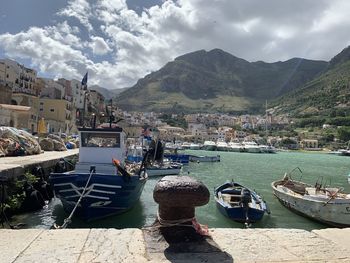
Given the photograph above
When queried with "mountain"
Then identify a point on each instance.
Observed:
(327, 93)
(214, 81)
(107, 93)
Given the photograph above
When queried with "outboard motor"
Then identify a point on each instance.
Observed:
(245, 197)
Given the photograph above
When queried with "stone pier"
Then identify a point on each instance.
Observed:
(129, 245)
(11, 167)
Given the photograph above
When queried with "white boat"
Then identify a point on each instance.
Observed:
(186, 145)
(267, 149)
(194, 146)
(209, 146)
(222, 146)
(173, 146)
(251, 147)
(164, 169)
(194, 158)
(344, 152)
(323, 204)
(235, 147)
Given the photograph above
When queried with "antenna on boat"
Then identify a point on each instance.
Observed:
(266, 120)
(110, 115)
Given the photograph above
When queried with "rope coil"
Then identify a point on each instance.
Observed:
(200, 229)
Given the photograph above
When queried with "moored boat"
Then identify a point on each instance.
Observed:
(239, 203)
(222, 146)
(194, 158)
(251, 147)
(177, 157)
(100, 185)
(209, 146)
(324, 204)
(267, 149)
(163, 169)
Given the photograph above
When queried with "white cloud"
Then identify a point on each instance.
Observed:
(99, 46)
(137, 44)
(80, 9)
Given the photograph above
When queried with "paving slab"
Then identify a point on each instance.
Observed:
(64, 245)
(14, 242)
(113, 245)
(336, 235)
(278, 245)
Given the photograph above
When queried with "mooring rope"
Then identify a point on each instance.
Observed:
(200, 229)
(177, 222)
(68, 220)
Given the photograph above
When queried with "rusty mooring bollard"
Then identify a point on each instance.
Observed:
(177, 197)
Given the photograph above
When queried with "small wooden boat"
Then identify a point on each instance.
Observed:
(194, 158)
(239, 203)
(324, 204)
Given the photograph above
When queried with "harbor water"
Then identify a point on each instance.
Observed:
(255, 171)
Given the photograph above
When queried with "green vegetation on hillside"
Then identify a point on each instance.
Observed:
(217, 81)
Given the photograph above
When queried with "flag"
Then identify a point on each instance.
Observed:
(84, 80)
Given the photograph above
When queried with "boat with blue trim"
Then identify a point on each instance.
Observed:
(239, 203)
(101, 184)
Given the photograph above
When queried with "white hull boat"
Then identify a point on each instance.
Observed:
(209, 146)
(251, 147)
(222, 146)
(194, 158)
(235, 147)
(173, 169)
(326, 205)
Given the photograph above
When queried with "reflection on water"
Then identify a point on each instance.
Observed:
(255, 171)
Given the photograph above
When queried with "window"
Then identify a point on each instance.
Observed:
(52, 110)
(103, 140)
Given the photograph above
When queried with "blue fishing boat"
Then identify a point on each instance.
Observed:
(239, 203)
(178, 158)
(101, 184)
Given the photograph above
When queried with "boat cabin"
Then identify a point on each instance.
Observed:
(101, 145)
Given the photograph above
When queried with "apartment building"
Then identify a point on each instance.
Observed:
(57, 114)
(22, 78)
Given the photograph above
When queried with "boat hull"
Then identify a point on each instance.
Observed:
(163, 171)
(334, 212)
(204, 158)
(178, 158)
(239, 214)
(105, 195)
(210, 147)
(229, 201)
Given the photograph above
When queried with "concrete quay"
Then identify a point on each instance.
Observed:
(132, 245)
(14, 166)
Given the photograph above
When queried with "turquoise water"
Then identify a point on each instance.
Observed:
(255, 171)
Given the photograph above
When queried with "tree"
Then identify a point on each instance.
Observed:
(344, 134)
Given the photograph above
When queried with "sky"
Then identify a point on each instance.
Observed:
(120, 41)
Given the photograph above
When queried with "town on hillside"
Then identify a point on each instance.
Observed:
(63, 105)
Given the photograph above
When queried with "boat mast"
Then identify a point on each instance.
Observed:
(266, 120)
